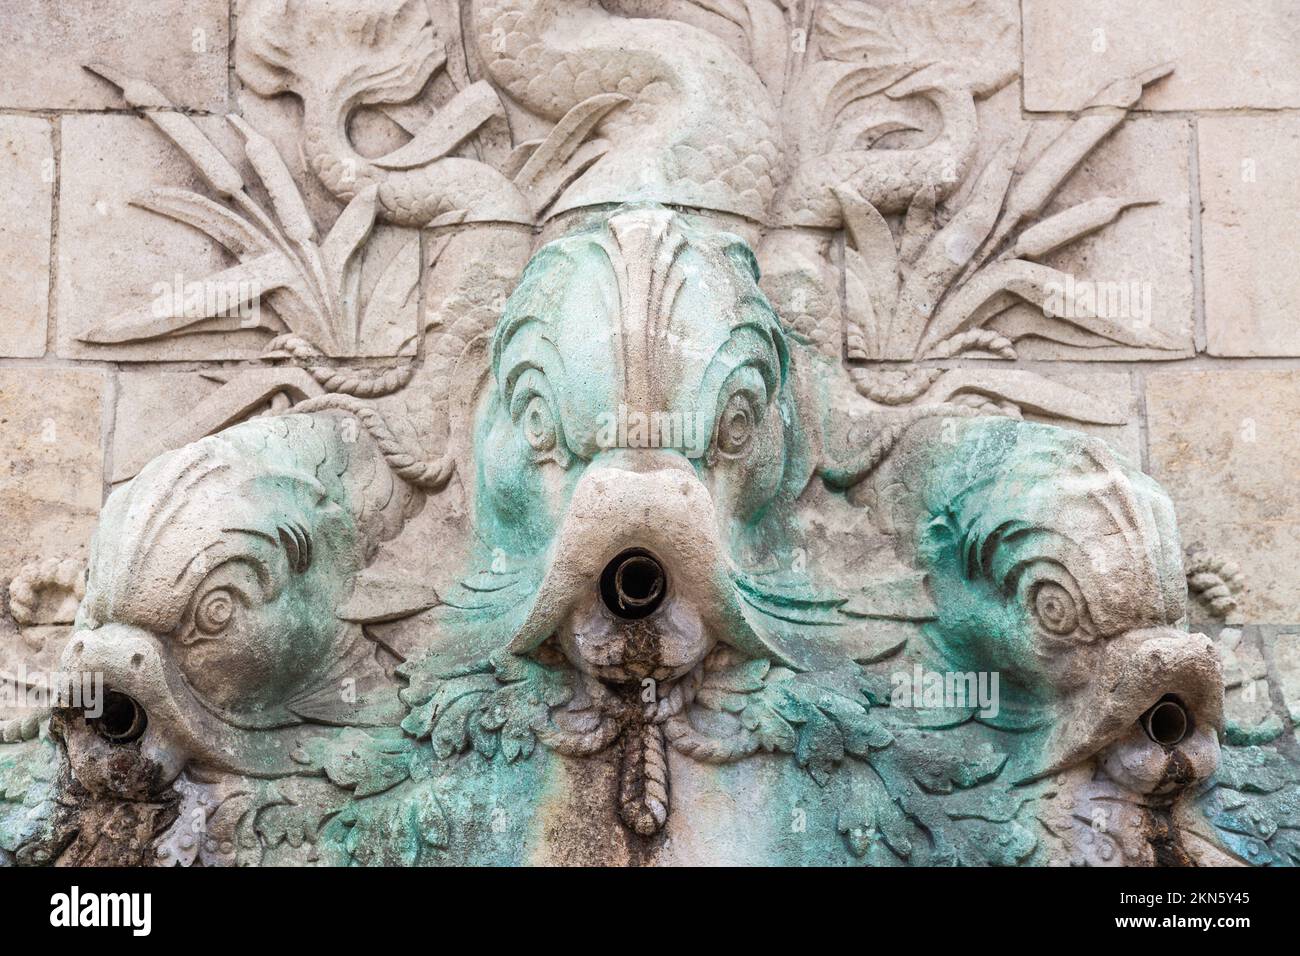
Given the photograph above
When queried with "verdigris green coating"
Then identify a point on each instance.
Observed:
(969, 687)
(28, 773)
(633, 346)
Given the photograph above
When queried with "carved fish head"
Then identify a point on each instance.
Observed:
(637, 438)
(215, 581)
(1059, 568)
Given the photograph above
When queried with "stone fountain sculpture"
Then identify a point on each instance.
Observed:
(622, 563)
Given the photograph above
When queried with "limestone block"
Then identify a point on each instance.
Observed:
(1147, 251)
(50, 485)
(118, 261)
(1223, 444)
(26, 183)
(1118, 392)
(1225, 56)
(1137, 267)
(180, 44)
(1250, 227)
(113, 255)
(1286, 658)
(146, 401)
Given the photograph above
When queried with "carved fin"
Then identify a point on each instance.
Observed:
(460, 118)
(297, 544)
(356, 691)
(379, 597)
(902, 598)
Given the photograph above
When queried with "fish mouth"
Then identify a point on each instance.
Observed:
(636, 625)
(1151, 715)
(150, 707)
(633, 585)
(638, 585)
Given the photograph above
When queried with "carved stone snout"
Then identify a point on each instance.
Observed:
(1152, 713)
(175, 726)
(637, 570)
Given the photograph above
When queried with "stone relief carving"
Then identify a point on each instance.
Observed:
(649, 544)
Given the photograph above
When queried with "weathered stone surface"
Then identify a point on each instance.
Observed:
(648, 554)
(26, 187)
(139, 259)
(1250, 230)
(1141, 262)
(1116, 390)
(181, 44)
(147, 401)
(1247, 701)
(279, 118)
(36, 649)
(1224, 55)
(1286, 661)
(1224, 444)
(116, 258)
(50, 485)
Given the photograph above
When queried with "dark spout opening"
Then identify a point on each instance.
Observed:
(633, 585)
(122, 719)
(1167, 723)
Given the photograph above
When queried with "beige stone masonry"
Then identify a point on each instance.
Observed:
(44, 44)
(50, 473)
(1225, 445)
(1225, 55)
(1250, 228)
(27, 175)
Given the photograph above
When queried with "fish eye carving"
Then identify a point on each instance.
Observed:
(533, 412)
(215, 611)
(1055, 608)
(538, 424)
(736, 425)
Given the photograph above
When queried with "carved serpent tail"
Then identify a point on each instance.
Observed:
(1215, 580)
(886, 178)
(447, 190)
(700, 130)
(339, 57)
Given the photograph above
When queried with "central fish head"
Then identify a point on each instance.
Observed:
(639, 437)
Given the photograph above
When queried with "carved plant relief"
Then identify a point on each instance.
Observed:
(666, 491)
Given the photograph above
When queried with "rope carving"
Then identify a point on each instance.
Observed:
(402, 457)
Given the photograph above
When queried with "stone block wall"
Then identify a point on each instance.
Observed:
(1210, 151)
